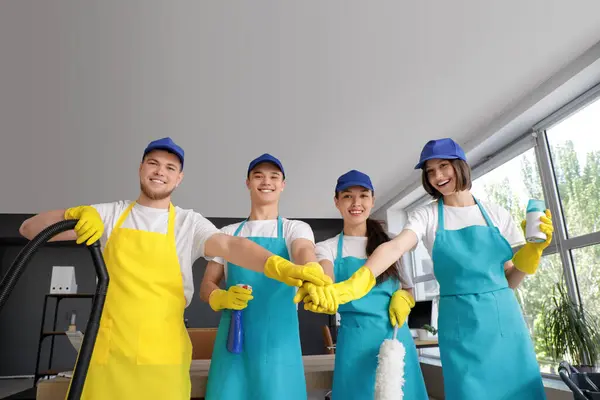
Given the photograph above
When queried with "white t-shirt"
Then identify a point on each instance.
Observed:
(424, 222)
(354, 246)
(192, 231)
(292, 230)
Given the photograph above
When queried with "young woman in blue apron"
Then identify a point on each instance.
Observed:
(485, 347)
(365, 323)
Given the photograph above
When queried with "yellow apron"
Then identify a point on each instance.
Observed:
(142, 350)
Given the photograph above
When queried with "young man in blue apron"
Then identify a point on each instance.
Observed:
(270, 366)
(143, 350)
(485, 347)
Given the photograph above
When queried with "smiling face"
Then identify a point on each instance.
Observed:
(444, 177)
(160, 173)
(355, 204)
(441, 176)
(265, 183)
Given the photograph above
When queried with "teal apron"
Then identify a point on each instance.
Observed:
(364, 325)
(485, 347)
(270, 366)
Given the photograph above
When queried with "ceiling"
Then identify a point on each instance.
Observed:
(324, 86)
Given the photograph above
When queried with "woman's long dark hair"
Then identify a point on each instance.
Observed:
(376, 235)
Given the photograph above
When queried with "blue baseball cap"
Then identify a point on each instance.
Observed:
(268, 159)
(166, 144)
(446, 149)
(353, 178)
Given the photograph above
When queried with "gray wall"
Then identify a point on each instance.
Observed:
(21, 317)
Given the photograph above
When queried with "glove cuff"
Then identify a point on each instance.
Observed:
(214, 300)
(273, 266)
(365, 275)
(72, 213)
(527, 259)
(406, 297)
(359, 284)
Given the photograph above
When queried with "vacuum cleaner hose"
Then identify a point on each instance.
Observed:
(18, 267)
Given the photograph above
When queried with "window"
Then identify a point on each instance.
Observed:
(511, 185)
(575, 151)
(423, 267)
(587, 265)
(532, 294)
(573, 162)
(426, 288)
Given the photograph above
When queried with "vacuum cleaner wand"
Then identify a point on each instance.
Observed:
(18, 267)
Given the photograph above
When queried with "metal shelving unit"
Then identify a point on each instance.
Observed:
(52, 333)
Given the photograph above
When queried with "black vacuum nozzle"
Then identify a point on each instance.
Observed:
(18, 267)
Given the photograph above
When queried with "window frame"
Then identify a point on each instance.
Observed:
(561, 239)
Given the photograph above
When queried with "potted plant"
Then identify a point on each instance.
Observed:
(423, 333)
(430, 329)
(569, 332)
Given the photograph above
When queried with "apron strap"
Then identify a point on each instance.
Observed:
(485, 214)
(124, 216)
(279, 227)
(340, 249)
(440, 214)
(239, 228)
(440, 227)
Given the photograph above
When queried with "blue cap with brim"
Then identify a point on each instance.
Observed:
(166, 144)
(446, 149)
(353, 178)
(266, 158)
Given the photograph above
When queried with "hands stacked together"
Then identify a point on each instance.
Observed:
(327, 298)
(278, 268)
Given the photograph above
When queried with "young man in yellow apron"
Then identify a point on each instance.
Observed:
(142, 350)
(270, 365)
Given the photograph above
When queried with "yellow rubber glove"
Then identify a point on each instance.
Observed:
(235, 298)
(282, 270)
(527, 259)
(400, 307)
(90, 227)
(355, 287)
(321, 299)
